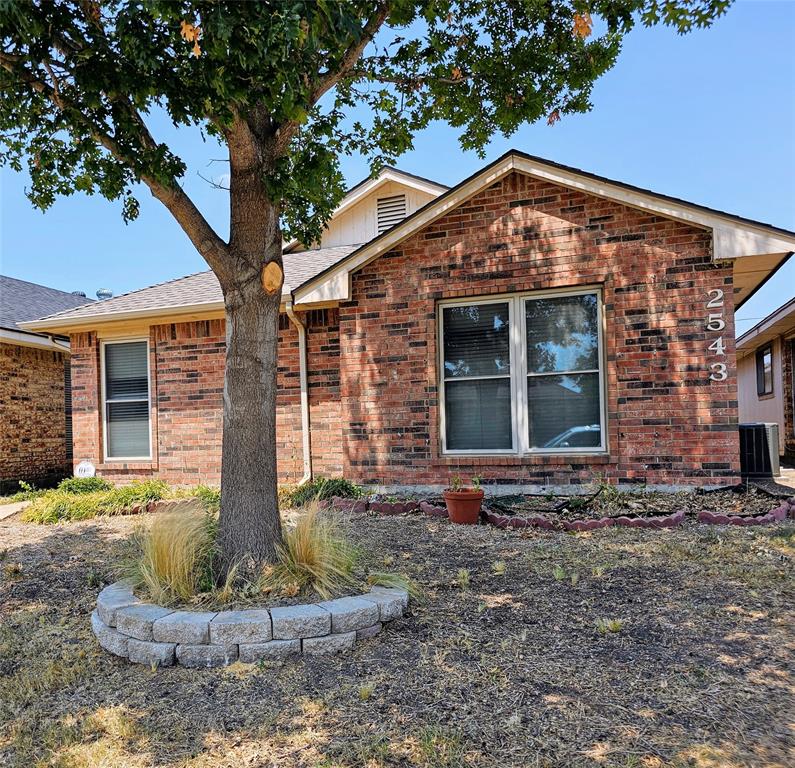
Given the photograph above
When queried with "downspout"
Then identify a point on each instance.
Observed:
(302, 374)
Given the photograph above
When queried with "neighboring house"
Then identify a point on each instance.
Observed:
(35, 417)
(766, 375)
(534, 325)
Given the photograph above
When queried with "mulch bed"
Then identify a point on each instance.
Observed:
(504, 669)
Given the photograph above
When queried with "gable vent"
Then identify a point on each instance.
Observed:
(391, 210)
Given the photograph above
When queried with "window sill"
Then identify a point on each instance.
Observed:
(515, 460)
(134, 464)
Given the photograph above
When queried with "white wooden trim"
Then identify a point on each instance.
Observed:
(103, 344)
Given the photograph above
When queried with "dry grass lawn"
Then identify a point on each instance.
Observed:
(623, 647)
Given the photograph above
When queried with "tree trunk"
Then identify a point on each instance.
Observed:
(249, 525)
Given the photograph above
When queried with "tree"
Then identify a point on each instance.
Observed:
(276, 81)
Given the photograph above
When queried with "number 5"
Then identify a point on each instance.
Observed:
(715, 322)
(718, 372)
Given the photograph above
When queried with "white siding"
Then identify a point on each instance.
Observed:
(359, 223)
(767, 408)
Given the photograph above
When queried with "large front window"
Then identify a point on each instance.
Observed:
(523, 374)
(126, 399)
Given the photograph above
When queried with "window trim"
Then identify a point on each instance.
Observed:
(520, 439)
(103, 344)
(760, 356)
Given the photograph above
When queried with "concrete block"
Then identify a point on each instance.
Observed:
(190, 627)
(351, 613)
(251, 626)
(136, 620)
(206, 656)
(110, 639)
(315, 646)
(113, 597)
(151, 654)
(390, 605)
(368, 632)
(275, 650)
(295, 621)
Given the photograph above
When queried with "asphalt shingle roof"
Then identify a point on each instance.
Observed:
(21, 301)
(202, 287)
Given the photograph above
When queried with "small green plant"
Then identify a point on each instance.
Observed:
(559, 573)
(395, 581)
(476, 482)
(366, 691)
(321, 489)
(575, 577)
(12, 570)
(608, 626)
(462, 578)
(499, 568)
(209, 497)
(84, 484)
(57, 505)
(456, 483)
(93, 579)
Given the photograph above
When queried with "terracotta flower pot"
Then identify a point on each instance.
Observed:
(463, 506)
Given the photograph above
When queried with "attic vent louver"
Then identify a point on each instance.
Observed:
(391, 210)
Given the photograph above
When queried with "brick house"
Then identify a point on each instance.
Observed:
(35, 428)
(766, 375)
(535, 325)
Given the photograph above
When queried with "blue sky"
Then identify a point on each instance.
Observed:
(709, 117)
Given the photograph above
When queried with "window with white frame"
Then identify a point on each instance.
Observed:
(522, 374)
(126, 399)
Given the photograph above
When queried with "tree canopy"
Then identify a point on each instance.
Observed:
(80, 77)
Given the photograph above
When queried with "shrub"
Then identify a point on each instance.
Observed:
(312, 556)
(56, 505)
(84, 484)
(323, 488)
(174, 559)
(209, 497)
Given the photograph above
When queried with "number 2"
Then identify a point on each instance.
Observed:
(718, 372)
(716, 302)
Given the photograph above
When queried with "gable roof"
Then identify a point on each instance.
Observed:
(197, 292)
(21, 301)
(734, 237)
(780, 321)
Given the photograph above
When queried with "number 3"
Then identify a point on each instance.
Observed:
(718, 372)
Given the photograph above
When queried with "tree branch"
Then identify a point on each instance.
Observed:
(212, 248)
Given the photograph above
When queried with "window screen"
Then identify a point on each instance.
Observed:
(477, 372)
(127, 400)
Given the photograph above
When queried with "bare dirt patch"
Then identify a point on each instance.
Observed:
(621, 647)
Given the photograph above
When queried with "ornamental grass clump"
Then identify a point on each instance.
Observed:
(312, 557)
(174, 559)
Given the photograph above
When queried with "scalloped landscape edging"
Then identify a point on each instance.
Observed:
(539, 521)
(777, 515)
(144, 633)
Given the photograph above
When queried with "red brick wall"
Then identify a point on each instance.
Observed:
(187, 374)
(788, 373)
(33, 423)
(667, 422)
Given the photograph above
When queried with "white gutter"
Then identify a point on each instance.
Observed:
(38, 341)
(302, 373)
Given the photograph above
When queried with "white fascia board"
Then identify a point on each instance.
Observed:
(23, 339)
(731, 239)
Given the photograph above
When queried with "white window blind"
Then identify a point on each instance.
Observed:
(523, 374)
(391, 210)
(126, 400)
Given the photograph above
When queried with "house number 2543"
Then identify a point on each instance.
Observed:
(715, 322)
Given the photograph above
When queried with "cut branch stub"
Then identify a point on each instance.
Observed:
(272, 277)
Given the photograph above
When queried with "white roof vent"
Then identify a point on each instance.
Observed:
(391, 210)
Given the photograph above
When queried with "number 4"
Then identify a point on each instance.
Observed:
(717, 346)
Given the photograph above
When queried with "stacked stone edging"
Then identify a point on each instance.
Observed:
(150, 634)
